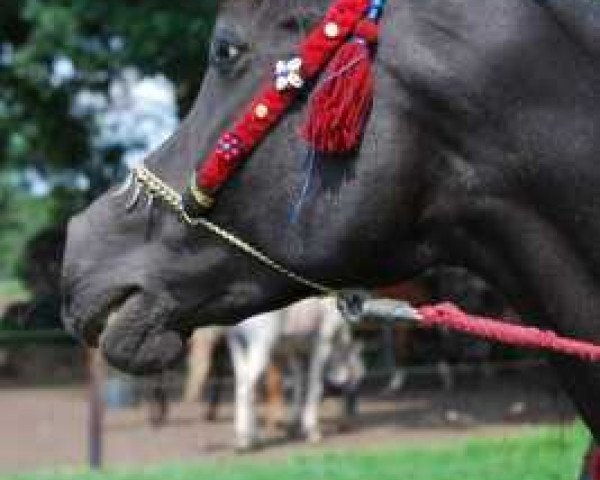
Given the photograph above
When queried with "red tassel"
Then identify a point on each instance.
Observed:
(341, 103)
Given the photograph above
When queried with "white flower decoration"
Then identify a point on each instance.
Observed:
(288, 74)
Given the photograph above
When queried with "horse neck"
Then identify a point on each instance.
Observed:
(580, 19)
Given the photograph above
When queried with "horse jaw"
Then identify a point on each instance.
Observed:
(137, 344)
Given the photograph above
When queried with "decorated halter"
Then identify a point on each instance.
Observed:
(340, 49)
(338, 110)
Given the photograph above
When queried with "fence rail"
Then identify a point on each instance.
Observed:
(11, 338)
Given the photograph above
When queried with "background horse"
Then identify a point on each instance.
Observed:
(309, 337)
(317, 344)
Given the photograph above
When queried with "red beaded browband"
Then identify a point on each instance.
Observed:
(339, 106)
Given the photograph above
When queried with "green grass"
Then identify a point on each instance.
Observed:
(537, 454)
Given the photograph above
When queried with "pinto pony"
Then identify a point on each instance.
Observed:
(309, 337)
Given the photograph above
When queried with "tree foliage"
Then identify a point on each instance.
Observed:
(37, 124)
(39, 127)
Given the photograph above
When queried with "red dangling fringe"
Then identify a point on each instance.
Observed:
(340, 106)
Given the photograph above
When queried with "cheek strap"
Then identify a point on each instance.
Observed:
(338, 110)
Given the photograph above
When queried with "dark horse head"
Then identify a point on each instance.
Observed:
(482, 150)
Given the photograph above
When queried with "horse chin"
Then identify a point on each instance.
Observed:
(140, 348)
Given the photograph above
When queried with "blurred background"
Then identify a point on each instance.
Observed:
(87, 88)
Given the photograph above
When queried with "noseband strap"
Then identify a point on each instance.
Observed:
(155, 187)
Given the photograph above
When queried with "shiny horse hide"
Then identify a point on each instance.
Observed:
(482, 151)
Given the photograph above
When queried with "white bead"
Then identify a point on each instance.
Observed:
(288, 74)
(281, 83)
(332, 30)
(295, 63)
(280, 67)
(295, 80)
(233, 51)
(261, 111)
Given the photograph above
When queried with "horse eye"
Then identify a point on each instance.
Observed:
(224, 52)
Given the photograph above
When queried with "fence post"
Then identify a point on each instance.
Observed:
(96, 409)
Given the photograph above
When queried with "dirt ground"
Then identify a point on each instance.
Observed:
(46, 428)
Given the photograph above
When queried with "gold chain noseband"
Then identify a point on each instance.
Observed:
(384, 310)
(155, 187)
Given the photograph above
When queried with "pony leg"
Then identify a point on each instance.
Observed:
(314, 392)
(444, 370)
(199, 358)
(245, 422)
(249, 361)
(295, 365)
(215, 387)
(275, 403)
(397, 343)
(159, 402)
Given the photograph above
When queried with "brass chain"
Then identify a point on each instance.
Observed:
(156, 187)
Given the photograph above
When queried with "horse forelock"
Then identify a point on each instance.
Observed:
(275, 8)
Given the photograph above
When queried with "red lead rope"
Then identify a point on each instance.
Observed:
(449, 316)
